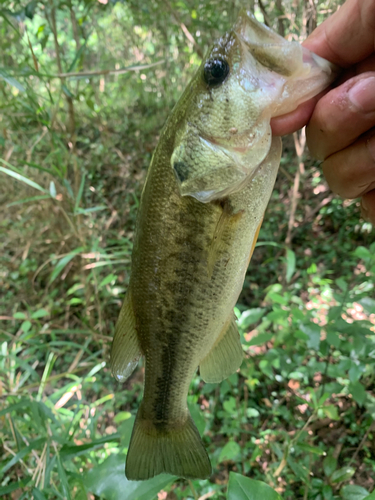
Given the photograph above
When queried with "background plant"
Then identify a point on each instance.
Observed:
(85, 87)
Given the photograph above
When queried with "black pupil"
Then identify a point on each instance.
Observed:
(215, 72)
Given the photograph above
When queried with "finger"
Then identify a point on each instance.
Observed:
(286, 124)
(342, 115)
(368, 206)
(347, 36)
(351, 172)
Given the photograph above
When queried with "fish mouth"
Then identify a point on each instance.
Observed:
(240, 143)
(223, 143)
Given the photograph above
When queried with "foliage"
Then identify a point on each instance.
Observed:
(77, 132)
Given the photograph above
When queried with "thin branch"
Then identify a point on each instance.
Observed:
(300, 146)
(370, 428)
(280, 17)
(121, 71)
(267, 21)
(195, 494)
(184, 29)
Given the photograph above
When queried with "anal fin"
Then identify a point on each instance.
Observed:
(225, 356)
(125, 351)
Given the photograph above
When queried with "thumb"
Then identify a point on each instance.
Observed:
(342, 115)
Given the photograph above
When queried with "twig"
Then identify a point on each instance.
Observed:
(360, 446)
(121, 71)
(183, 27)
(207, 495)
(280, 17)
(299, 144)
(267, 21)
(195, 494)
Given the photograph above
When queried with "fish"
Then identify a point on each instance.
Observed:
(202, 206)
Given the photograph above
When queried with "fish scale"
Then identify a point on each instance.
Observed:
(201, 209)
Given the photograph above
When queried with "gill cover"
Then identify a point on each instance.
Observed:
(248, 77)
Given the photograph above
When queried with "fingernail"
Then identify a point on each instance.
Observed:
(362, 94)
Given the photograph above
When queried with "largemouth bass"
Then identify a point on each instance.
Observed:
(202, 206)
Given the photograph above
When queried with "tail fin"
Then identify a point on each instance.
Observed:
(178, 451)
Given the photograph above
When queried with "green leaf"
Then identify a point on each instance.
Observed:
(362, 253)
(311, 449)
(12, 81)
(108, 279)
(108, 480)
(331, 412)
(52, 189)
(125, 430)
(342, 474)
(371, 496)
(19, 315)
(38, 495)
(26, 325)
(299, 470)
(290, 264)
(25, 451)
(329, 465)
(24, 403)
(68, 452)
(358, 392)
(244, 488)
(67, 91)
(62, 263)
(77, 56)
(4, 490)
(31, 198)
(368, 304)
(64, 480)
(80, 192)
(40, 313)
(353, 492)
(260, 339)
(333, 338)
(313, 332)
(21, 178)
(198, 417)
(230, 451)
(120, 417)
(250, 317)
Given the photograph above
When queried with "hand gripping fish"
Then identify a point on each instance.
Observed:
(202, 206)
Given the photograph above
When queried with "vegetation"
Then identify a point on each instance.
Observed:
(85, 87)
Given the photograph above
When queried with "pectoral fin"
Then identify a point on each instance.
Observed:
(225, 357)
(225, 229)
(125, 351)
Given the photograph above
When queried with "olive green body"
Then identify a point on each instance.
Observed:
(189, 264)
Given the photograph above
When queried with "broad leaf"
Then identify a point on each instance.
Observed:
(230, 451)
(353, 492)
(108, 481)
(342, 474)
(244, 488)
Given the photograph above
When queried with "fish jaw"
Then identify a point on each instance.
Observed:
(226, 133)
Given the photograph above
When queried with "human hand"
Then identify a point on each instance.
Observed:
(341, 127)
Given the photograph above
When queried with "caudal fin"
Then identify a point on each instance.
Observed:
(177, 450)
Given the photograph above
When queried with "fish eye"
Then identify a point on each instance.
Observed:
(215, 72)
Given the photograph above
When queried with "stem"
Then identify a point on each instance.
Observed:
(184, 29)
(193, 490)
